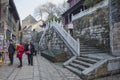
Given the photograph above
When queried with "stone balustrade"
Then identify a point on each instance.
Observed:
(90, 10)
(67, 38)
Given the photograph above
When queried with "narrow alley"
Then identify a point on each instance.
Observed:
(59, 40)
(41, 70)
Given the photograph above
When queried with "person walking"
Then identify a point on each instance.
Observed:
(36, 49)
(29, 51)
(20, 51)
(11, 51)
(70, 27)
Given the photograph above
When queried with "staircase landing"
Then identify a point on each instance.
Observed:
(90, 66)
(99, 55)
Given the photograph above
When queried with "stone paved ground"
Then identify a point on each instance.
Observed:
(42, 70)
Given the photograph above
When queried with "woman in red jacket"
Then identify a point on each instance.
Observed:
(20, 51)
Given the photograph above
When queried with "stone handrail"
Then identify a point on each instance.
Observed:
(112, 64)
(90, 10)
(72, 44)
(44, 32)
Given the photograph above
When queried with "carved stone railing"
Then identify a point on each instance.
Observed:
(90, 10)
(108, 66)
(72, 44)
(43, 35)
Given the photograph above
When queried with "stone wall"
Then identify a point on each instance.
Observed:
(104, 68)
(52, 41)
(115, 26)
(116, 36)
(115, 11)
(93, 28)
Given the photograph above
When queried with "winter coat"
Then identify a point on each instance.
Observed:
(11, 49)
(32, 49)
(20, 50)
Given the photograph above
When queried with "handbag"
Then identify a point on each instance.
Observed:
(28, 52)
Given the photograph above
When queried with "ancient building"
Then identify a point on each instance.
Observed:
(29, 20)
(9, 19)
(32, 28)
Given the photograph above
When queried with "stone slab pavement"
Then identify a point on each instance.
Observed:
(41, 70)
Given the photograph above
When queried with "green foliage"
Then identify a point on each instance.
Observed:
(53, 17)
(91, 3)
(88, 3)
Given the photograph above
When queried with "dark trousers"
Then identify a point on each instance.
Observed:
(11, 58)
(20, 59)
(71, 32)
(35, 52)
(30, 59)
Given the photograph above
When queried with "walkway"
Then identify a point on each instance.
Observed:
(42, 70)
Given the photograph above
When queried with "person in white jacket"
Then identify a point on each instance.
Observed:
(70, 27)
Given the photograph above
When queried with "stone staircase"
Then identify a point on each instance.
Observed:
(84, 62)
(86, 49)
(88, 62)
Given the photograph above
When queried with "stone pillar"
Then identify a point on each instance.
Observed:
(114, 21)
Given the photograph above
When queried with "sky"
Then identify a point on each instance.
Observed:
(26, 7)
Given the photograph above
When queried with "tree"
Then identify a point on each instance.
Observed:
(38, 12)
(48, 8)
(51, 9)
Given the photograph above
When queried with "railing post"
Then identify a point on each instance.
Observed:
(72, 17)
(78, 46)
(51, 23)
(61, 24)
(53, 19)
(46, 26)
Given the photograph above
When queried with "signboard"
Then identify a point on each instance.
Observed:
(1, 37)
(1, 42)
(5, 26)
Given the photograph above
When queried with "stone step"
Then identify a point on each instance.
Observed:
(92, 61)
(81, 47)
(85, 45)
(90, 52)
(82, 63)
(85, 49)
(74, 70)
(80, 67)
(94, 58)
